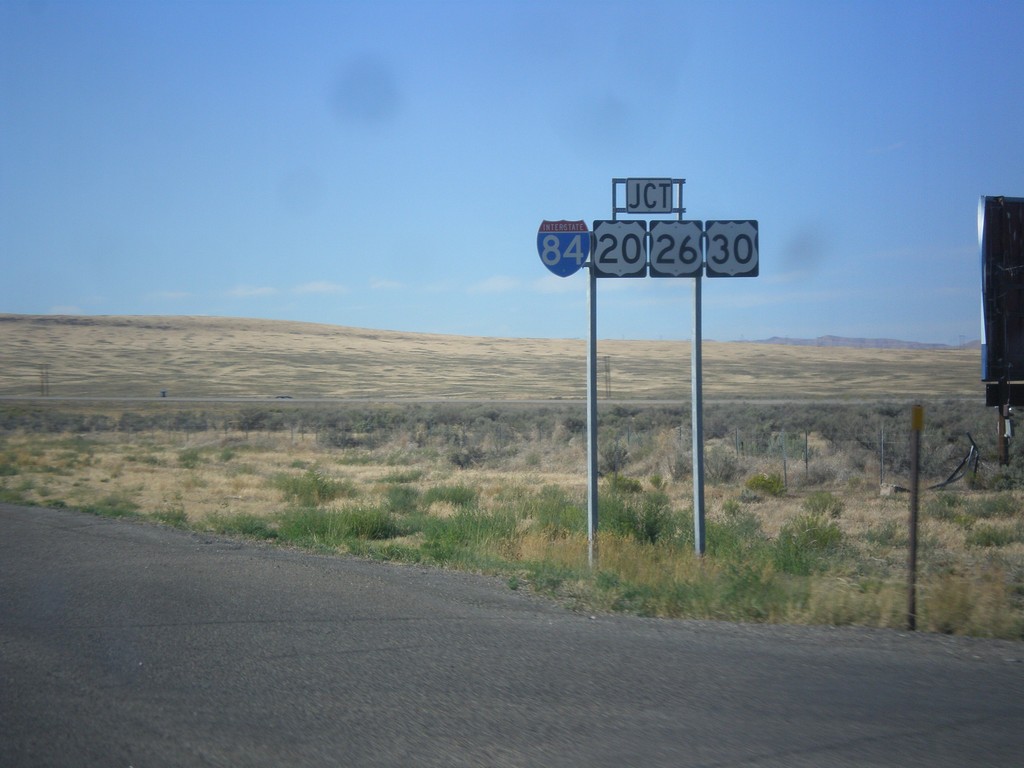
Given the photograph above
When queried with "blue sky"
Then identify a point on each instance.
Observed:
(387, 164)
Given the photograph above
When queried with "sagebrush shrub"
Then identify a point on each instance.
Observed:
(189, 458)
(720, 465)
(823, 503)
(617, 483)
(613, 456)
(769, 483)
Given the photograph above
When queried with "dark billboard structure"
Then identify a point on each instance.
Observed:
(1001, 234)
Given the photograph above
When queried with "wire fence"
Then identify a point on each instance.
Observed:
(803, 456)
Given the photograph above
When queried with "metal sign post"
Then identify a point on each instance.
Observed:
(661, 248)
(592, 468)
(697, 421)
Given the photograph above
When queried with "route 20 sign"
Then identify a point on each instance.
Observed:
(563, 246)
(620, 248)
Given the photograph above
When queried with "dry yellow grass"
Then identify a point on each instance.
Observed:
(227, 357)
(232, 474)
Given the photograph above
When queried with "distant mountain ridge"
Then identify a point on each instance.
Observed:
(842, 341)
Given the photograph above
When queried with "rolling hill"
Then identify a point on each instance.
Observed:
(207, 357)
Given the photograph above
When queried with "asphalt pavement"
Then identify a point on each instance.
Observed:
(129, 644)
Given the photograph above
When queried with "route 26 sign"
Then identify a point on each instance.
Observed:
(676, 248)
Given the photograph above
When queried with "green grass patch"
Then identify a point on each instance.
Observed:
(391, 551)
(990, 535)
(646, 517)
(373, 523)
(8, 465)
(313, 488)
(174, 516)
(554, 512)
(549, 578)
(242, 524)
(16, 495)
(620, 484)
(114, 505)
(402, 499)
(354, 459)
(1000, 505)
(145, 458)
(949, 507)
(891, 533)
(403, 476)
(456, 495)
(823, 503)
(714, 587)
(805, 545)
(190, 458)
(737, 536)
(470, 536)
(319, 528)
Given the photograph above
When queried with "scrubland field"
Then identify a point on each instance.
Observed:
(470, 453)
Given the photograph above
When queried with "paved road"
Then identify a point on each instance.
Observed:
(126, 644)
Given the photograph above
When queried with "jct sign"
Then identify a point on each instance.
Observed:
(648, 195)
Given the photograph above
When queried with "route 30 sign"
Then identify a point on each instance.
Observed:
(563, 245)
(731, 248)
(620, 248)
